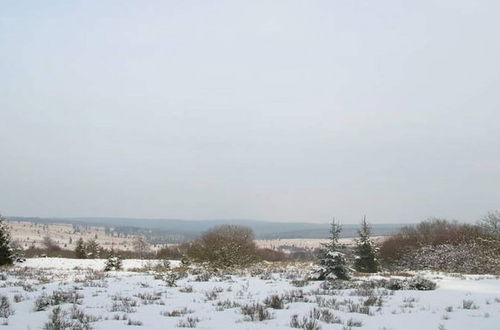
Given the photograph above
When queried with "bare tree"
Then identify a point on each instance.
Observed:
(141, 246)
(491, 223)
(50, 244)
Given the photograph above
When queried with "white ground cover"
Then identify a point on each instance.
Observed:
(114, 298)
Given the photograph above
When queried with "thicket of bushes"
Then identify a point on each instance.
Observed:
(173, 253)
(432, 232)
(443, 245)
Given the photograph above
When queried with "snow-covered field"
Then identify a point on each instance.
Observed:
(305, 243)
(145, 299)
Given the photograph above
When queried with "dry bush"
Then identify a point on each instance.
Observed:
(172, 252)
(469, 258)
(306, 323)
(6, 309)
(189, 322)
(267, 254)
(275, 302)
(433, 232)
(256, 312)
(225, 246)
(163, 253)
(34, 252)
(443, 246)
(50, 244)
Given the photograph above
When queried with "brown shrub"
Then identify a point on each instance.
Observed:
(172, 252)
(271, 255)
(431, 232)
(32, 252)
(225, 246)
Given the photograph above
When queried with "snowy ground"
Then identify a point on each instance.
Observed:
(116, 300)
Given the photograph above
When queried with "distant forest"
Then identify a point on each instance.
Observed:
(176, 231)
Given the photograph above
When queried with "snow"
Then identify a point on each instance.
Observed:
(410, 310)
(94, 264)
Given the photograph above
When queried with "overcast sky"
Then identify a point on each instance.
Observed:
(274, 110)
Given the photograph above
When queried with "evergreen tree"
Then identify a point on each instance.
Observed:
(366, 251)
(80, 250)
(6, 252)
(92, 249)
(113, 262)
(332, 263)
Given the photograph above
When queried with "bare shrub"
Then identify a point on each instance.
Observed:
(162, 266)
(170, 278)
(305, 323)
(177, 312)
(5, 308)
(328, 317)
(186, 289)
(274, 301)
(213, 294)
(267, 254)
(57, 320)
(226, 304)
(135, 323)
(300, 283)
(203, 277)
(225, 246)
(433, 232)
(57, 297)
(256, 312)
(354, 323)
(83, 319)
(123, 304)
(469, 258)
(76, 320)
(148, 298)
(189, 322)
(294, 296)
(469, 304)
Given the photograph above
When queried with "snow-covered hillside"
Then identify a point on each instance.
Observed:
(268, 296)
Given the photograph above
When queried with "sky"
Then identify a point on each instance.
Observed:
(272, 110)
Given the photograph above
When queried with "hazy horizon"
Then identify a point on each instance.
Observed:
(326, 221)
(277, 110)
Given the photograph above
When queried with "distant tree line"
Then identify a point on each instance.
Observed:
(435, 244)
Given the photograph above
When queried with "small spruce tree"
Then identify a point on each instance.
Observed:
(113, 262)
(332, 263)
(80, 249)
(366, 251)
(6, 251)
(92, 249)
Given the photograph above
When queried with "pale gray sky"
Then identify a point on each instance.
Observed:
(278, 110)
